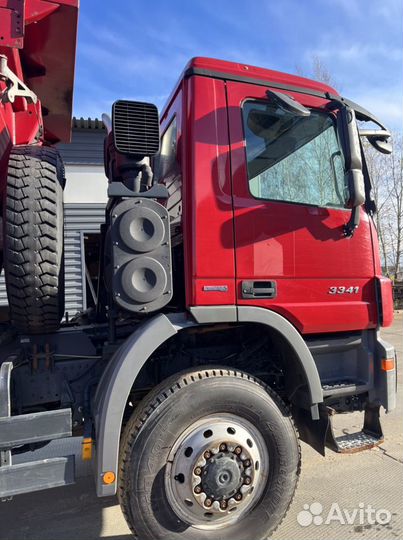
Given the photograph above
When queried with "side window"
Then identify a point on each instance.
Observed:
(165, 163)
(292, 158)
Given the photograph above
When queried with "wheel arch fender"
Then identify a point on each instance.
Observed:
(122, 370)
(114, 388)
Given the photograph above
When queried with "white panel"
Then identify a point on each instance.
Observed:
(85, 184)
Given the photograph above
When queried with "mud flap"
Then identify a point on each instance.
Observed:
(312, 432)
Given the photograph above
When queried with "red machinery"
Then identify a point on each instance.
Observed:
(37, 48)
(37, 58)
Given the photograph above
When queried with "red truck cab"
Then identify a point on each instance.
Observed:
(264, 226)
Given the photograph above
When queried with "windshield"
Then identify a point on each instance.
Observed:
(292, 158)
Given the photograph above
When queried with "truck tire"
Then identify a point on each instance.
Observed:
(33, 240)
(209, 455)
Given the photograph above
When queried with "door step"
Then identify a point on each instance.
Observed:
(356, 442)
(344, 387)
(370, 436)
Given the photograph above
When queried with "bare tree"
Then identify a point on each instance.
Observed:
(378, 166)
(386, 173)
(395, 228)
(319, 72)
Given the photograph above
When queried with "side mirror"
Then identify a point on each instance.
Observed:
(352, 152)
(385, 147)
(379, 138)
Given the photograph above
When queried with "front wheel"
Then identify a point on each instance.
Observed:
(209, 454)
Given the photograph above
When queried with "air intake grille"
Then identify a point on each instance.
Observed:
(136, 128)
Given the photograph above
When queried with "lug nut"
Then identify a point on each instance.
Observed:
(223, 505)
(238, 450)
(247, 481)
(198, 471)
(247, 463)
(238, 497)
(208, 502)
(207, 454)
(223, 447)
(198, 490)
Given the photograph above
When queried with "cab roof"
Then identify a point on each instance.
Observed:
(235, 71)
(239, 71)
(222, 69)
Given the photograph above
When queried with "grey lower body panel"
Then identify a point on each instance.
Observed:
(385, 380)
(36, 476)
(35, 427)
(353, 364)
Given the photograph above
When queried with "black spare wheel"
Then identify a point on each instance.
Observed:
(33, 239)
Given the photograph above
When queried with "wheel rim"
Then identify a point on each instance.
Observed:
(216, 471)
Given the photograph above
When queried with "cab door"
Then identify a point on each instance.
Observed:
(289, 214)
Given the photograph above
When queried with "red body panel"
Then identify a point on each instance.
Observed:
(229, 236)
(386, 300)
(208, 215)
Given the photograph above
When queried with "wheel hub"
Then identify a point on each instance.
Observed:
(222, 476)
(216, 471)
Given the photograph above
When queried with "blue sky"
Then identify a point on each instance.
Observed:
(136, 49)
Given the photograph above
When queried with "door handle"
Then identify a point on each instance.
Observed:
(259, 289)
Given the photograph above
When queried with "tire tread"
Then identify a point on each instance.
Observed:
(33, 253)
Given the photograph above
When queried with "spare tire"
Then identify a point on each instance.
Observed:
(33, 239)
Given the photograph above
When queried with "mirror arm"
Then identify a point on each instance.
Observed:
(375, 133)
(353, 223)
